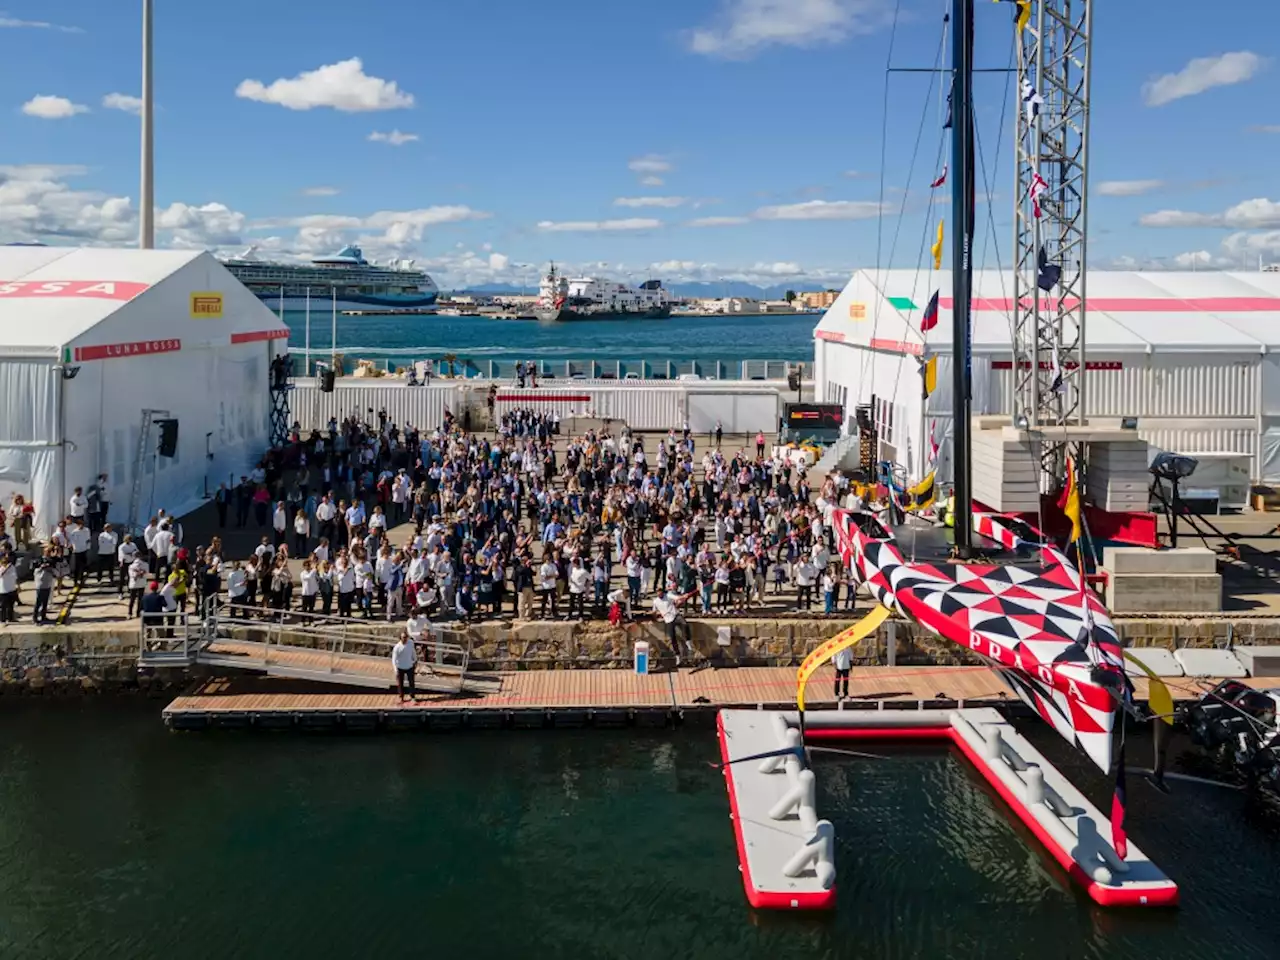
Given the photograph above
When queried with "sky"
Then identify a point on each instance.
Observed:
(679, 139)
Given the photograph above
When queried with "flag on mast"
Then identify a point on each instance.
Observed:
(1037, 189)
(1119, 801)
(942, 178)
(1047, 274)
(930, 318)
(1069, 503)
(1021, 12)
(1031, 100)
(936, 249)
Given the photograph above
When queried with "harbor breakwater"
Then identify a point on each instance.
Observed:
(95, 659)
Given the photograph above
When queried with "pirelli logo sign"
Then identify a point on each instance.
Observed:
(206, 305)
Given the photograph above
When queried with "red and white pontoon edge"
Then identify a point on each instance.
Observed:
(770, 848)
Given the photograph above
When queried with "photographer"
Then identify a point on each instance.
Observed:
(45, 571)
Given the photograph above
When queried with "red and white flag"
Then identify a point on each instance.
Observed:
(942, 178)
(1038, 187)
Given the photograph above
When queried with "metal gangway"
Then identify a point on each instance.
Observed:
(304, 646)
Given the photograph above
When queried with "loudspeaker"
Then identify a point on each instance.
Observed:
(168, 437)
(793, 380)
(326, 381)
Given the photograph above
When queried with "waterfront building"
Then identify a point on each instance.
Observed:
(94, 342)
(1192, 356)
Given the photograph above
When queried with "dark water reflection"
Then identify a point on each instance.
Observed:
(118, 839)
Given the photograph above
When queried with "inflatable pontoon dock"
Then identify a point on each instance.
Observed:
(786, 853)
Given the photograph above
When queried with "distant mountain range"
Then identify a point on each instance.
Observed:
(697, 289)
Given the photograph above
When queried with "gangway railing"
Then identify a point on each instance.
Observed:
(334, 649)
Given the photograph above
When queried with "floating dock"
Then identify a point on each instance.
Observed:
(552, 698)
(785, 850)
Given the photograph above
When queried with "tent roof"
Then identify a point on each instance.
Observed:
(1128, 312)
(96, 282)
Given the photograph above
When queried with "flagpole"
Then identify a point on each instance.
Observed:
(147, 200)
(306, 362)
(961, 265)
(333, 292)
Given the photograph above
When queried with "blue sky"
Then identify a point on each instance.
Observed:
(742, 137)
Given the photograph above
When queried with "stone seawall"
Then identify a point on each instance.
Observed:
(92, 658)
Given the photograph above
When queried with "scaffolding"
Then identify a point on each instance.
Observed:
(1051, 215)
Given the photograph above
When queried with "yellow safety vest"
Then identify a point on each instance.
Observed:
(951, 511)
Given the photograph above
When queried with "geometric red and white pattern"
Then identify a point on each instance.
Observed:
(1054, 638)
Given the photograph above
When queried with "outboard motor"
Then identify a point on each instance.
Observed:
(1213, 720)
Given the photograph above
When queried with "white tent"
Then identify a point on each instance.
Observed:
(1194, 356)
(89, 338)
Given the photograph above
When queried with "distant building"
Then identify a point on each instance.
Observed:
(778, 306)
(818, 299)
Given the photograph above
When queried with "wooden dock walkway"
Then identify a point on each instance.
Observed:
(572, 698)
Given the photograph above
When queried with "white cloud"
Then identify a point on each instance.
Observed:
(652, 182)
(36, 203)
(1195, 258)
(320, 192)
(122, 101)
(650, 163)
(208, 225)
(856, 174)
(1258, 213)
(395, 138)
(718, 222)
(1248, 246)
(823, 210)
(1127, 188)
(395, 233)
(1265, 128)
(592, 226)
(1201, 74)
(52, 108)
(667, 202)
(343, 86)
(13, 23)
(744, 27)
(498, 262)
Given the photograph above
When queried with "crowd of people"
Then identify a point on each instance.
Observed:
(523, 523)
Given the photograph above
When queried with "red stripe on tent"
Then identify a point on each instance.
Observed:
(1140, 304)
(259, 335)
(898, 346)
(82, 289)
(543, 397)
(114, 351)
(1045, 365)
(829, 335)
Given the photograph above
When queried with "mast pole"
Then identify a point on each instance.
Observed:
(147, 198)
(961, 266)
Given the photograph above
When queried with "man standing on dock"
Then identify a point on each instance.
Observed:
(404, 657)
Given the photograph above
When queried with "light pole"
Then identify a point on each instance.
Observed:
(147, 211)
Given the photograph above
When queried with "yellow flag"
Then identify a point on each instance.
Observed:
(1158, 696)
(936, 249)
(1024, 13)
(929, 371)
(922, 495)
(1070, 502)
(845, 638)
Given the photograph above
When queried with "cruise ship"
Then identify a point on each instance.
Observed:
(561, 299)
(346, 277)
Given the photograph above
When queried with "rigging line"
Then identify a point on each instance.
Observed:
(884, 148)
(906, 194)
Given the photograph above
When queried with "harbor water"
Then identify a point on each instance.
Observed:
(119, 839)
(728, 340)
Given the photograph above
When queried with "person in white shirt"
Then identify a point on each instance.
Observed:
(279, 522)
(405, 661)
(8, 590)
(126, 553)
(79, 537)
(237, 589)
(310, 586)
(78, 505)
(666, 607)
(325, 514)
(828, 592)
(843, 662)
(346, 578)
(417, 626)
(139, 573)
(108, 542)
(579, 577)
(806, 574)
(548, 574)
(160, 545)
